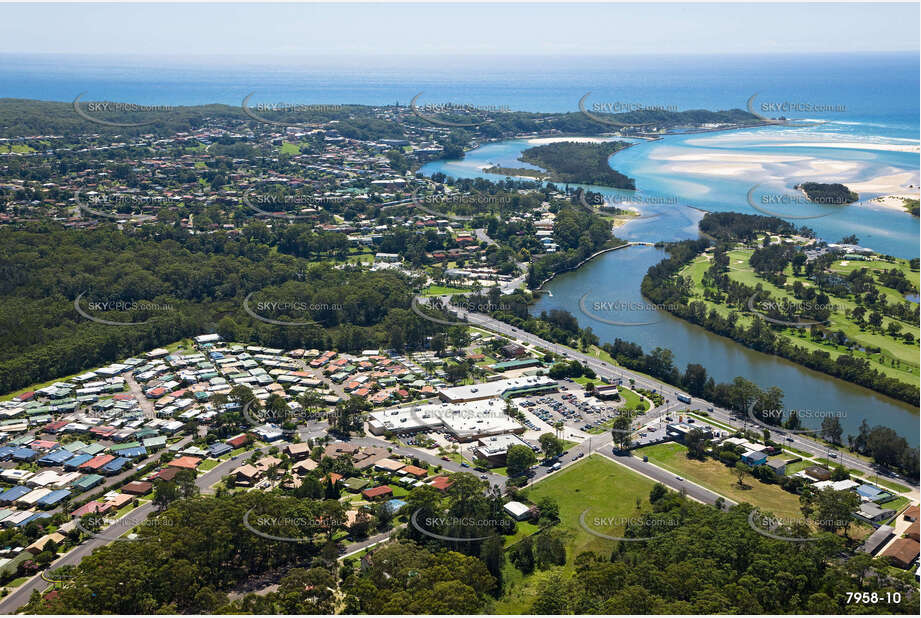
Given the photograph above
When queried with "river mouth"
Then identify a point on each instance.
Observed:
(612, 282)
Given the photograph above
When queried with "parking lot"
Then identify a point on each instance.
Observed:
(572, 408)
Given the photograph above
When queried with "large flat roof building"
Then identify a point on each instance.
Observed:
(467, 421)
(514, 387)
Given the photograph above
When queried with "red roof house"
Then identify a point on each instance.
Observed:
(185, 463)
(377, 492)
(97, 462)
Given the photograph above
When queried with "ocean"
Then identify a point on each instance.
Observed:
(879, 92)
(866, 106)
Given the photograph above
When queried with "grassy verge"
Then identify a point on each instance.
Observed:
(712, 422)
(717, 477)
(208, 464)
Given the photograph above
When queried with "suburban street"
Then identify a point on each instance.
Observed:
(599, 443)
(20, 596)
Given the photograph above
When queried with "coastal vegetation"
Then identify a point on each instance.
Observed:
(576, 162)
(516, 171)
(823, 193)
(20, 117)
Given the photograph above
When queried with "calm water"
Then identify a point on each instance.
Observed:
(615, 278)
(878, 91)
(877, 102)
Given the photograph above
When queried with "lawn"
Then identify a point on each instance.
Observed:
(603, 487)
(897, 504)
(568, 444)
(631, 399)
(522, 529)
(793, 468)
(717, 477)
(897, 359)
(290, 149)
(440, 290)
(208, 464)
(398, 492)
(126, 509)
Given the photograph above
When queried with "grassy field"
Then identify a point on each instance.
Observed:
(597, 484)
(17, 148)
(897, 358)
(289, 149)
(601, 355)
(631, 399)
(439, 290)
(717, 477)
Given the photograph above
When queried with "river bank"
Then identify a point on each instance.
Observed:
(617, 275)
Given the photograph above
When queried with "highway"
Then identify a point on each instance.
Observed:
(600, 444)
(721, 415)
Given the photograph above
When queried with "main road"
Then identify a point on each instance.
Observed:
(720, 415)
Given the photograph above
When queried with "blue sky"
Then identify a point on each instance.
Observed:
(330, 31)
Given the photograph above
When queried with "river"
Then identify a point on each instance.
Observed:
(614, 278)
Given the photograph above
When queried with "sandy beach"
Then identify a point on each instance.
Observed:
(894, 202)
(786, 167)
(893, 184)
(857, 145)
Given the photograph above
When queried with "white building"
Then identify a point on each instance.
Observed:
(517, 510)
(513, 387)
(466, 421)
(495, 448)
